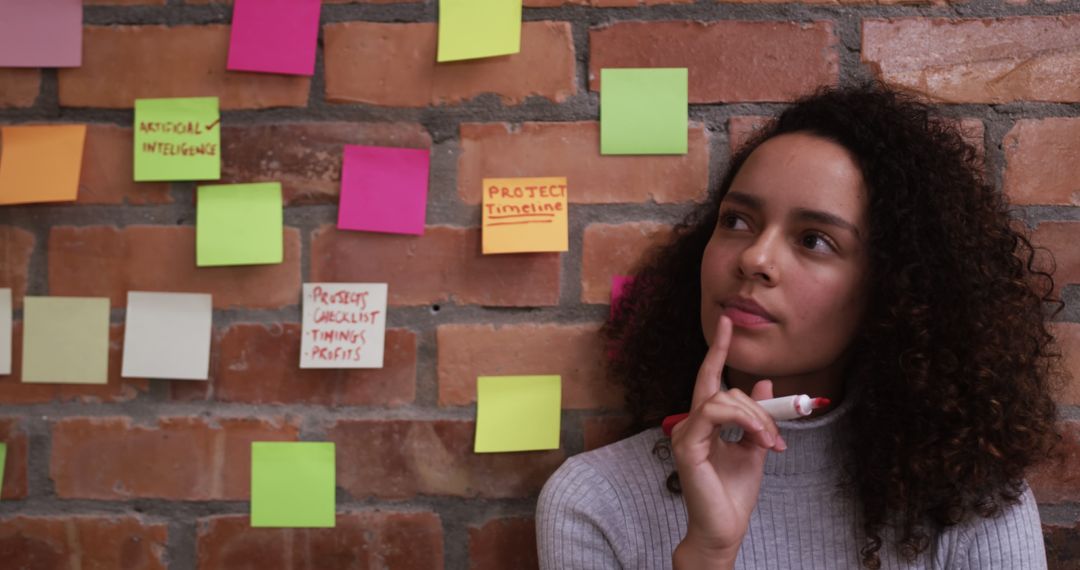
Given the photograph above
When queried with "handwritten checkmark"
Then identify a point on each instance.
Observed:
(212, 125)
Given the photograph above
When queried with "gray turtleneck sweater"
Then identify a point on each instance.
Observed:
(609, 508)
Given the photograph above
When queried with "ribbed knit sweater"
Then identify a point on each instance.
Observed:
(609, 508)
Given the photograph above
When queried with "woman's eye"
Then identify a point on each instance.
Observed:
(727, 220)
(809, 239)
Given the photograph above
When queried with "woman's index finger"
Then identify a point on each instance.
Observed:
(708, 378)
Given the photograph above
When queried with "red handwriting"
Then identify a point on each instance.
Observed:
(349, 336)
(336, 353)
(182, 149)
(339, 297)
(173, 127)
(212, 125)
(345, 317)
(543, 191)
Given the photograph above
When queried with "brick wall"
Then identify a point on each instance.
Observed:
(154, 474)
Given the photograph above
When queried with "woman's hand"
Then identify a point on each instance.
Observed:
(720, 480)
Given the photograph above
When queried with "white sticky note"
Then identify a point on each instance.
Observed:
(5, 331)
(344, 325)
(167, 335)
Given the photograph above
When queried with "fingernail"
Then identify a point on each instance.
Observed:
(782, 444)
(769, 439)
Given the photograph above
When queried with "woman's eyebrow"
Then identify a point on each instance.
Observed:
(755, 203)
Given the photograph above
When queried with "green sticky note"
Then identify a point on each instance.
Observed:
(292, 484)
(517, 413)
(3, 459)
(643, 111)
(239, 224)
(65, 340)
(469, 29)
(177, 139)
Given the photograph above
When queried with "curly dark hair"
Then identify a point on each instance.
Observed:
(955, 332)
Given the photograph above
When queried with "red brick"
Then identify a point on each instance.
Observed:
(601, 3)
(13, 435)
(401, 459)
(1030, 146)
(503, 543)
(179, 458)
(18, 247)
(359, 541)
(13, 391)
(444, 264)
(986, 60)
(1067, 336)
(498, 150)
(306, 157)
(573, 351)
(259, 364)
(614, 249)
(19, 87)
(1061, 239)
(602, 430)
(1059, 482)
(728, 60)
(1062, 541)
(394, 65)
(108, 170)
(124, 63)
(120, 542)
(108, 262)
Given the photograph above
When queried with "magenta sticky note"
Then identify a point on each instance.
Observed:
(384, 189)
(41, 33)
(274, 36)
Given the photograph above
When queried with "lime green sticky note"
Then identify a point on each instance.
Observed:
(517, 413)
(239, 224)
(643, 111)
(177, 139)
(65, 340)
(469, 29)
(292, 484)
(3, 458)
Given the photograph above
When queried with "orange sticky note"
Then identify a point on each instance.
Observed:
(524, 215)
(40, 163)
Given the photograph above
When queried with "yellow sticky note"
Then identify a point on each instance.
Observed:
(524, 214)
(470, 29)
(41, 163)
(517, 413)
(66, 340)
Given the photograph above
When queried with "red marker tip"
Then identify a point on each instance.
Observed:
(820, 403)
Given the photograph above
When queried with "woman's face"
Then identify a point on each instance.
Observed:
(790, 237)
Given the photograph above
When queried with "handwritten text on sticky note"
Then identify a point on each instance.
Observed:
(177, 139)
(524, 215)
(344, 325)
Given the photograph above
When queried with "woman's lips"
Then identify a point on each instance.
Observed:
(745, 319)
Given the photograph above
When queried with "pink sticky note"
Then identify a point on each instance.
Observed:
(384, 189)
(41, 33)
(274, 36)
(618, 287)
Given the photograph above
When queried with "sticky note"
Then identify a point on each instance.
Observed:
(239, 224)
(470, 29)
(383, 189)
(644, 111)
(524, 215)
(41, 163)
(41, 33)
(5, 331)
(65, 340)
(344, 325)
(167, 335)
(3, 462)
(274, 36)
(292, 484)
(177, 139)
(517, 413)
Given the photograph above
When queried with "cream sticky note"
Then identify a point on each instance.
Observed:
(644, 111)
(41, 163)
(5, 331)
(292, 484)
(524, 215)
(65, 340)
(470, 29)
(517, 413)
(239, 224)
(344, 325)
(177, 139)
(167, 335)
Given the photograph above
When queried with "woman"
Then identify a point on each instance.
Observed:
(852, 252)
